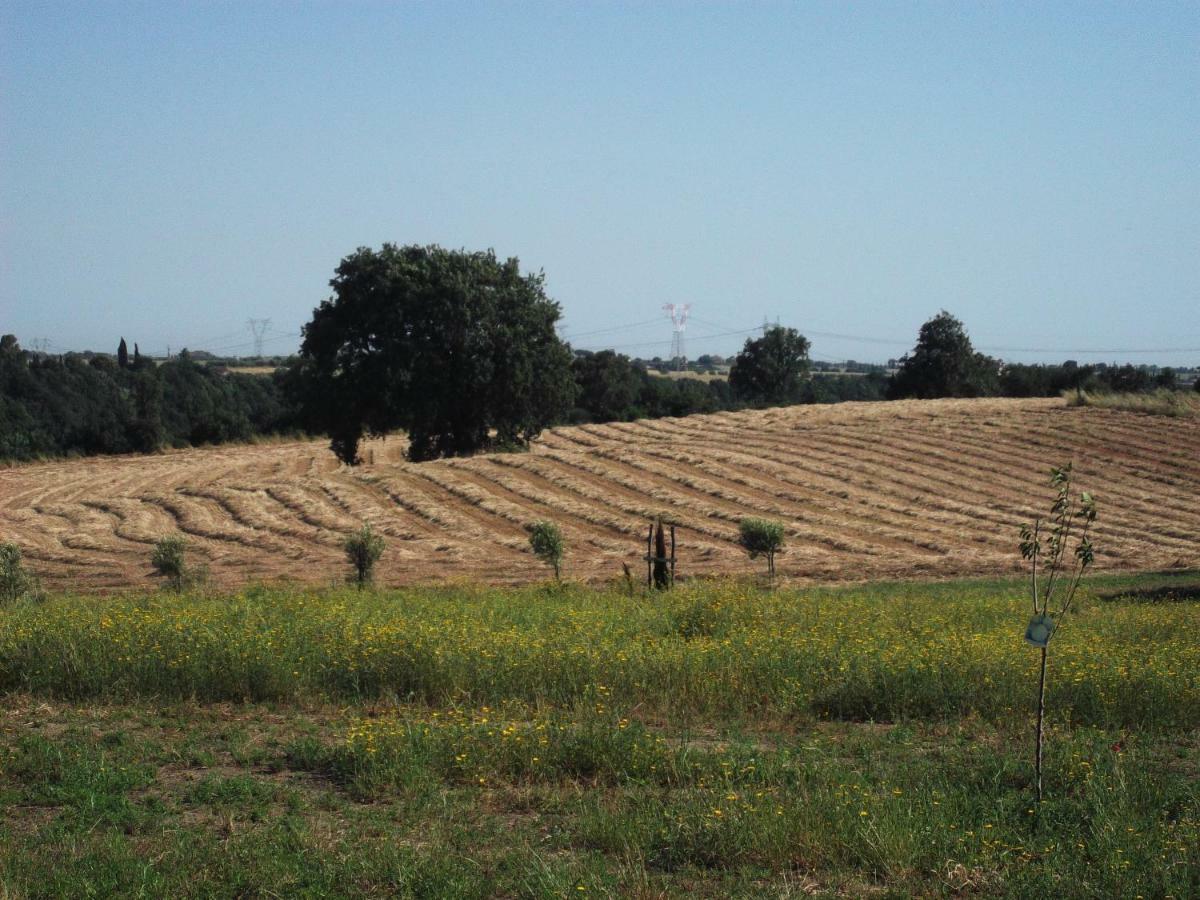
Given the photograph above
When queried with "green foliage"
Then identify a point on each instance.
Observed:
(877, 652)
(1023, 380)
(611, 387)
(682, 397)
(1070, 517)
(771, 369)
(847, 387)
(447, 345)
(547, 542)
(15, 581)
(943, 364)
(608, 385)
(363, 549)
(1125, 379)
(73, 404)
(95, 805)
(760, 537)
(168, 560)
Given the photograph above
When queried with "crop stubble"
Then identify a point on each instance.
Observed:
(867, 491)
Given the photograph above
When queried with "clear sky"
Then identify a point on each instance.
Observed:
(168, 170)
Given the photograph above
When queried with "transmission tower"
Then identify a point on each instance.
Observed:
(259, 328)
(678, 313)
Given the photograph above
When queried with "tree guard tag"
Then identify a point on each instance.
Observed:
(1039, 630)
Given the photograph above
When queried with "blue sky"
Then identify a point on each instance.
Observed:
(168, 170)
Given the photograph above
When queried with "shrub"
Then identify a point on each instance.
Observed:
(547, 542)
(761, 537)
(363, 548)
(15, 582)
(168, 560)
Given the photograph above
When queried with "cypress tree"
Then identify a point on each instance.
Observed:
(123, 355)
(662, 576)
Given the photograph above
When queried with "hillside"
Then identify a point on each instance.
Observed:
(911, 489)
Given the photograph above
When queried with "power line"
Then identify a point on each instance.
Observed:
(200, 345)
(631, 325)
(864, 339)
(241, 345)
(702, 337)
(273, 336)
(1077, 350)
(858, 338)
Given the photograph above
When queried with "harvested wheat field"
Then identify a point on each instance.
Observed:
(913, 489)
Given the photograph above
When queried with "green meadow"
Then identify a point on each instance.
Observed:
(717, 740)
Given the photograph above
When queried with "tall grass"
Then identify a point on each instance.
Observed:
(1162, 402)
(707, 649)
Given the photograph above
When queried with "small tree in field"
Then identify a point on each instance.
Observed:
(168, 560)
(1048, 542)
(760, 537)
(363, 549)
(547, 542)
(15, 582)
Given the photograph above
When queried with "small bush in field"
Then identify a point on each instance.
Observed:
(761, 537)
(15, 582)
(168, 560)
(547, 542)
(363, 548)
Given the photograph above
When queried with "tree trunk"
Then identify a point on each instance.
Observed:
(1041, 714)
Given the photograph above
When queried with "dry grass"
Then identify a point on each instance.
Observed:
(1156, 403)
(688, 373)
(911, 489)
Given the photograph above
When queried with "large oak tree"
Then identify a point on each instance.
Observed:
(944, 364)
(457, 348)
(771, 369)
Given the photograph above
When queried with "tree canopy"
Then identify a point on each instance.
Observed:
(51, 405)
(771, 369)
(609, 385)
(447, 345)
(944, 364)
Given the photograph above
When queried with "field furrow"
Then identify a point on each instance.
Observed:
(870, 490)
(992, 497)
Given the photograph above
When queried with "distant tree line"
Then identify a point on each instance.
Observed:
(83, 405)
(944, 364)
(459, 349)
(611, 387)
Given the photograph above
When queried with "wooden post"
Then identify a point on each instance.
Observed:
(650, 558)
(672, 555)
